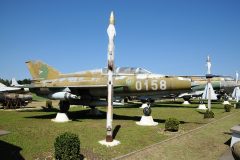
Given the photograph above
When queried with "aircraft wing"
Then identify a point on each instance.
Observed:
(75, 87)
(192, 94)
(8, 89)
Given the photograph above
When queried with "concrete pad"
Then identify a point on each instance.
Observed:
(235, 134)
(202, 107)
(61, 118)
(147, 121)
(226, 102)
(186, 103)
(109, 144)
(227, 155)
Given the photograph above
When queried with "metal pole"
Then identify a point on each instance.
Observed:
(209, 95)
(111, 34)
(209, 82)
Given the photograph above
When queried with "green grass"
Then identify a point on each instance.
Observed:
(34, 132)
(37, 98)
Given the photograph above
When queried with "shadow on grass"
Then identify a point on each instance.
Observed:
(42, 109)
(181, 122)
(77, 116)
(173, 106)
(115, 131)
(9, 151)
(228, 142)
(165, 105)
(83, 114)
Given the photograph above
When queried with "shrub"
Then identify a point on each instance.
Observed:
(67, 147)
(238, 105)
(236, 150)
(172, 124)
(227, 107)
(208, 114)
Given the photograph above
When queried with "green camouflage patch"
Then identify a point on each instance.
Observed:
(43, 72)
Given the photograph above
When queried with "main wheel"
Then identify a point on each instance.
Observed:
(147, 111)
(187, 98)
(64, 106)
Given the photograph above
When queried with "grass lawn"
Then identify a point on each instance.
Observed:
(34, 133)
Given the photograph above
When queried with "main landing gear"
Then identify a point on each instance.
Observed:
(94, 111)
(146, 119)
(147, 110)
(62, 116)
(64, 106)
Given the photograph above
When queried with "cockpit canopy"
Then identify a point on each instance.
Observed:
(228, 78)
(128, 70)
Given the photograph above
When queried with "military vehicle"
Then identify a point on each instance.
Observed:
(89, 88)
(13, 97)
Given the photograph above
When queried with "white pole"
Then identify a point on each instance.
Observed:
(208, 65)
(209, 82)
(209, 95)
(111, 34)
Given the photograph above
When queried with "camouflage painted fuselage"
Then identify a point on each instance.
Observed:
(93, 84)
(224, 83)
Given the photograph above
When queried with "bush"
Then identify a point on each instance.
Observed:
(227, 107)
(67, 147)
(238, 105)
(172, 124)
(236, 150)
(208, 114)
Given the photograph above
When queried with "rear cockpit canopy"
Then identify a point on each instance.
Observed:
(128, 70)
(228, 78)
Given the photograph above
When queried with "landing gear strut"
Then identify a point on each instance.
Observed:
(94, 111)
(62, 116)
(64, 106)
(146, 119)
(147, 111)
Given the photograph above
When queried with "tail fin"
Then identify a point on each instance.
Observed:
(14, 83)
(40, 70)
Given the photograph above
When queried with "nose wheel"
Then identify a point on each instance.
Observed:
(146, 119)
(147, 111)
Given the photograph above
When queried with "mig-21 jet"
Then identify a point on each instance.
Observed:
(89, 88)
(222, 85)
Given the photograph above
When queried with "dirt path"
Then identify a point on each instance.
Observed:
(203, 143)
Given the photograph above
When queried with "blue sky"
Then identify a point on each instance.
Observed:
(170, 37)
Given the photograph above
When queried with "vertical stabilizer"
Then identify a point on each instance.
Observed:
(40, 70)
(14, 82)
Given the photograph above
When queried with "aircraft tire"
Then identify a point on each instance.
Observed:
(147, 111)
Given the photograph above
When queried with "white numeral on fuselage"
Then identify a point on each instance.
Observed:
(155, 85)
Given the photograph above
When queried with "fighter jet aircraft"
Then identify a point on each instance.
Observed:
(89, 88)
(12, 97)
(221, 84)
